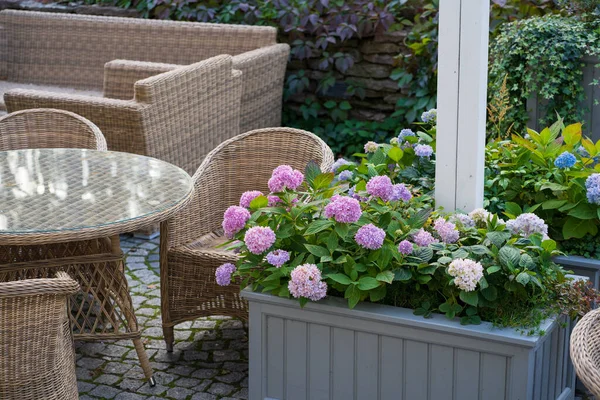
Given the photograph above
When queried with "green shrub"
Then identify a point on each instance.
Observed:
(551, 174)
(542, 56)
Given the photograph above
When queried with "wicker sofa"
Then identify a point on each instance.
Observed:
(70, 62)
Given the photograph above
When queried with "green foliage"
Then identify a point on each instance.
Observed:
(515, 271)
(542, 56)
(521, 176)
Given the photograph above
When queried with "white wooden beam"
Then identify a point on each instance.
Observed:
(461, 103)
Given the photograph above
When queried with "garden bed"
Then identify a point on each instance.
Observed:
(327, 351)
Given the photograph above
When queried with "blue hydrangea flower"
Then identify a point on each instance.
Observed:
(423, 150)
(565, 160)
(404, 133)
(429, 117)
(345, 175)
(592, 185)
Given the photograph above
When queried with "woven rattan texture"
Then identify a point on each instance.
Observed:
(48, 128)
(188, 257)
(73, 51)
(36, 346)
(585, 351)
(59, 195)
(177, 116)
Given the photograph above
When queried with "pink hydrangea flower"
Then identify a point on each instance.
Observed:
(234, 220)
(306, 282)
(405, 247)
(247, 197)
(284, 177)
(467, 273)
(370, 237)
(380, 186)
(446, 230)
(258, 239)
(343, 209)
(223, 274)
(423, 238)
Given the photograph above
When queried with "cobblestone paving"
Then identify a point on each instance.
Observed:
(209, 360)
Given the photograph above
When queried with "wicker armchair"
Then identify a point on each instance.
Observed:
(37, 360)
(189, 257)
(48, 128)
(585, 350)
(177, 116)
(42, 51)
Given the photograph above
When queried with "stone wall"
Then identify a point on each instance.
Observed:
(374, 61)
(375, 58)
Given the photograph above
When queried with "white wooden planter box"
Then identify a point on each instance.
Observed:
(375, 352)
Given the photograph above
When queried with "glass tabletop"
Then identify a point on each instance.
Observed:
(56, 190)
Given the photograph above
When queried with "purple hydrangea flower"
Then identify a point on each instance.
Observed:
(345, 175)
(400, 192)
(565, 160)
(423, 150)
(467, 273)
(340, 162)
(343, 209)
(370, 237)
(592, 184)
(404, 133)
(446, 230)
(527, 224)
(430, 116)
(405, 247)
(247, 197)
(463, 219)
(423, 238)
(278, 257)
(305, 281)
(223, 274)
(371, 147)
(380, 186)
(234, 220)
(284, 177)
(258, 239)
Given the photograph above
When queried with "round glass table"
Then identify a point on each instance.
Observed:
(63, 209)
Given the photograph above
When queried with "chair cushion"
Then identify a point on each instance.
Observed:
(5, 86)
(212, 243)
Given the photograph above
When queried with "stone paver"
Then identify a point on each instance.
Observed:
(209, 361)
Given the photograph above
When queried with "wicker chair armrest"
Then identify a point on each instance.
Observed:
(264, 74)
(61, 285)
(120, 76)
(120, 121)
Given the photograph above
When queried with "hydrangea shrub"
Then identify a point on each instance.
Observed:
(375, 238)
(554, 174)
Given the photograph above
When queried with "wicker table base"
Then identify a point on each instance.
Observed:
(103, 309)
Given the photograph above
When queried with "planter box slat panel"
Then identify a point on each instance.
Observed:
(296, 348)
(441, 371)
(392, 372)
(493, 377)
(338, 354)
(342, 373)
(466, 381)
(319, 361)
(414, 383)
(367, 365)
(275, 357)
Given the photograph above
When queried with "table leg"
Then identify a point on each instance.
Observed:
(132, 320)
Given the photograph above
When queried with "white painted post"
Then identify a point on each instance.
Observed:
(461, 104)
